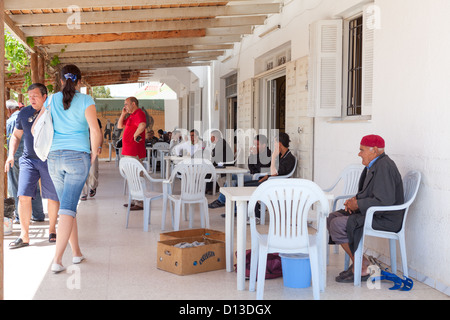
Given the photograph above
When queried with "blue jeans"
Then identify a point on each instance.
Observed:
(247, 177)
(69, 171)
(13, 183)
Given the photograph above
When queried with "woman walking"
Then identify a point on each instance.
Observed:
(74, 121)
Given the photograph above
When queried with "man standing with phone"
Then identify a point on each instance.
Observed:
(134, 122)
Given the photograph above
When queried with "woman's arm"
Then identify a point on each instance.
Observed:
(96, 135)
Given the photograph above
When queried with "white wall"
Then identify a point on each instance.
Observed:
(411, 111)
(171, 112)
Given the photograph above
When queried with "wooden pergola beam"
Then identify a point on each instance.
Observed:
(15, 31)
(208, 40)
(111, 37)
(147, 14)
(225, 22)
(145, 57)
(143, 51)
(59, 4)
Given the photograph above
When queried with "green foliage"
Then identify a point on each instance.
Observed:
(17, 56)
(101, 92)
(15, 53)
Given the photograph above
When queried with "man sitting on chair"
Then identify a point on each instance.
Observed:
(380, 185)
(283, 161)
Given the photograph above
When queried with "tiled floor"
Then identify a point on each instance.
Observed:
(121, 263)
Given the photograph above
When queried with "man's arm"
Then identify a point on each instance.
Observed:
(13, 145)
(123, 115)
(141, 127)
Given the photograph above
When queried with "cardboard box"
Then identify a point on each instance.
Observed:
(194, 260)
(206, 233)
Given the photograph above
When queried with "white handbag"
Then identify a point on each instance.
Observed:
(43, 133)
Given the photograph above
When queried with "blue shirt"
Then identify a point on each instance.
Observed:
(71, 127)
(10, 125)
(372, 162)
(23, 123)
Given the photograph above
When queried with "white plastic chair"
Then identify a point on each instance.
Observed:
(411, 183)
(137, 178)
(193, 175)
(289, 202)
(260, 175)
(155, 156)
(349, 179)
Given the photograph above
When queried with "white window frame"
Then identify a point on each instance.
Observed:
(338, 112)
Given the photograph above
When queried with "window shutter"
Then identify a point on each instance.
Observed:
(325, 69)
(369, 26)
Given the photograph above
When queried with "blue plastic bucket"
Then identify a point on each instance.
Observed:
(296, 270)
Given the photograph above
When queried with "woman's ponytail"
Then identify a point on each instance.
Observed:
(70, 75)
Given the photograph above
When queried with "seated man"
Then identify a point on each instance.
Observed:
(380, 185)
(258, 160)
(150, 138)
(189, 148)
(283, 161)
(221, 151)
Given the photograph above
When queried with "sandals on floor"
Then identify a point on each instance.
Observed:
(52, 237)
(18, 243)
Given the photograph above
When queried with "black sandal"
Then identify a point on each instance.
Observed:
(92, 192)
(18, 243)
(52, 238)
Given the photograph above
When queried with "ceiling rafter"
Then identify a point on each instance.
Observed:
(125, 40)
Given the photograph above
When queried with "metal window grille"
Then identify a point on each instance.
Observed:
(355, 67)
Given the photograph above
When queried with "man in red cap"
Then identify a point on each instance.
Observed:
(380, 185)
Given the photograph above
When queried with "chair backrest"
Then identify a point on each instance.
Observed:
(350, 179)
(411, 183)
(288, 202)
(161, 146)
(131, 169)
(194, 174)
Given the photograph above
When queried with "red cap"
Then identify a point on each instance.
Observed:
(373, 141)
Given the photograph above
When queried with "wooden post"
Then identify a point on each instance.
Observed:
(2, 129)
(34, 68)
(41, 69)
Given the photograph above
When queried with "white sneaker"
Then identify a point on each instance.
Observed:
(77, 260)
(57, 268)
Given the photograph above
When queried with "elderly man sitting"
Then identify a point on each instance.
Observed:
(380, 185)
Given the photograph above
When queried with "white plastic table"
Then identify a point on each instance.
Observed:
(241, 195)
(229, 171)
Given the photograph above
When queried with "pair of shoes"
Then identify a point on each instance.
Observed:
(83, 197)
(135, 208)
(216, 204)
(57, 268)
(92, 192)
(37, 220)
(18, 243)
(52, 237)
(77, 260)
(348, 277)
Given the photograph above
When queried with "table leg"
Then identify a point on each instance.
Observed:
(229, 234)
(241, 243)
(240, 177)
(110, 151)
